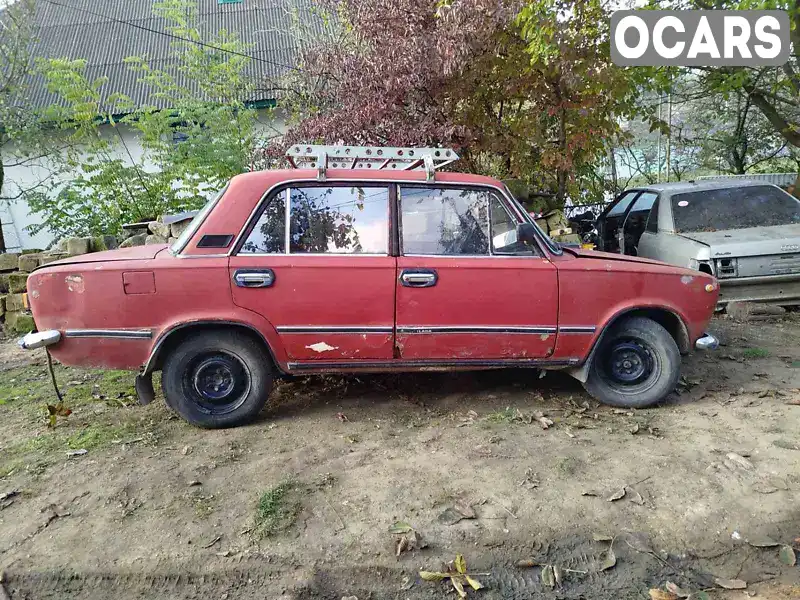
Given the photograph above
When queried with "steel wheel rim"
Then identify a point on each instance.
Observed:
(630, 365)
(217, 382)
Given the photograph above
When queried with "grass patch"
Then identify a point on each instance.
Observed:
(755, 353)
(502, 416)
(277, 509)
(567, 465)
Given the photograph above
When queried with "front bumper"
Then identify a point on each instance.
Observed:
(39, 339)
(707, 342)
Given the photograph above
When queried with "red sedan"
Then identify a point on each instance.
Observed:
(365, 263)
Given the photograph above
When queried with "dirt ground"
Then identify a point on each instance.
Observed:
(299, 504)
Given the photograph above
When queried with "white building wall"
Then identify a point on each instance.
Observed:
(15, 215)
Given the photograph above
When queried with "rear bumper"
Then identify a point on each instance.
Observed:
(39, 339)
(778, 289)
(707, 342)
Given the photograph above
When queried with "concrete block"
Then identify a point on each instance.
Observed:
(77, 245)
(17, 282)
(9, 261)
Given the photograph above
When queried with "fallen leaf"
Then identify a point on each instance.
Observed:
(432, 576)
(459, 586)
(460, 564)
(618, 495)
(590, 493)
(450, 516)
(762, 542)
(400, 527)
(731, 584)
(636, 497)
(407, 583)
(543, 420)
(794, 401)
(548, 576)
(473, 583)
(194, 483)
(788, 556)
(602, 537)
(465, 508)
(80, 452)
(740, 460)
(674, 588)
(342, 417)
(609, 560)
(786, 445)
(527, 563)
(402, 544)
(558, 573)
(701, 595)
(634, 429)
(657, 594)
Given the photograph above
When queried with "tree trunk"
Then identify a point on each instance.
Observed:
(2, 181)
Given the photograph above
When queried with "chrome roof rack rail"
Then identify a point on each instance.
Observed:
(369, 157)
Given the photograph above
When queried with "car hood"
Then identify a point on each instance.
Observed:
(754, 241)
(132, 253)
(581, 253)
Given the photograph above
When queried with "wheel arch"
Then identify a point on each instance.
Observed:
(176, 334)
(667, 318)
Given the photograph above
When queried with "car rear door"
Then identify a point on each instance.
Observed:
(315, 262)
(466, 289)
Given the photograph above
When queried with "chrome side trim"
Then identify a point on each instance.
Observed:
(312, 365)
(474, 329)
(334, 329)
(185, 256)
(577, 329)
(131, 334)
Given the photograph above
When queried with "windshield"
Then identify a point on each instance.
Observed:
(178, 245)
(734, 208)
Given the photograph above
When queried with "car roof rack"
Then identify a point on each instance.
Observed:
(369, 157)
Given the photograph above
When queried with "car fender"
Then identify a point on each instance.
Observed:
(238, 317)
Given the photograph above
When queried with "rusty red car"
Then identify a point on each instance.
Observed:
(366, 259)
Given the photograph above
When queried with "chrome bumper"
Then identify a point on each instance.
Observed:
(39, 339)
(707, 342)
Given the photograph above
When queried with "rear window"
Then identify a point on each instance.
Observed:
(734, 208)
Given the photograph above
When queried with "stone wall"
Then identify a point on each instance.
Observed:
(15, 314)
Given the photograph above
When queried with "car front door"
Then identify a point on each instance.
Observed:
(610, 222)
(466, 289)
(635, 222)
(315, 262)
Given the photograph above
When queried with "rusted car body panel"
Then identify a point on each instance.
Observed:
(346, 313)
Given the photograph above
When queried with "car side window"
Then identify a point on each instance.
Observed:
(622, 205)
(652, 221)
(269, 234)
(339, 220)
(444, 221)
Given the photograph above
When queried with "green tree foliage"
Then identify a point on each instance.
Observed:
(196, 131)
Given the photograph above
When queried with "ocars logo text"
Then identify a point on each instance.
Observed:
(700, 37)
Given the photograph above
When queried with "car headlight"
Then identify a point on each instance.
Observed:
(727, 267)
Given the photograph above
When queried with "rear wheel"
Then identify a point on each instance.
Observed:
(217, 379)
(637, 365)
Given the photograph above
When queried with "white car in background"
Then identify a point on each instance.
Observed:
(746, 233)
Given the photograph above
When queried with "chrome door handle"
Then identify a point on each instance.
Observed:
(247, 278)
(419, 278)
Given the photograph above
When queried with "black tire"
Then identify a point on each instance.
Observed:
(218, 378)
(637, 365)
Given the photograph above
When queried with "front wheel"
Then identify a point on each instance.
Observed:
(217, 379)
(637, 365)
